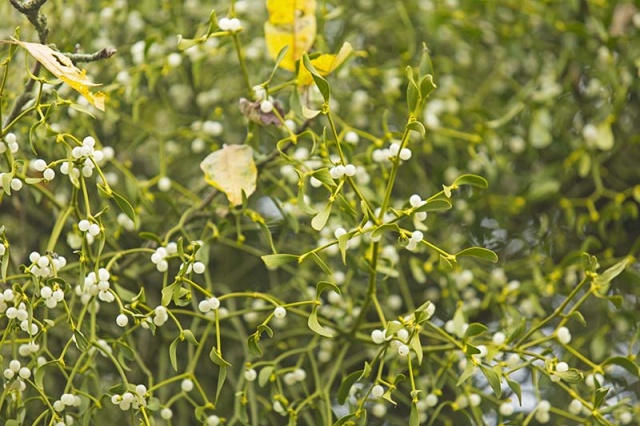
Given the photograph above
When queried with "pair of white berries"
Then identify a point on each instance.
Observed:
(339, 171)
(414, 239)
(230, 24)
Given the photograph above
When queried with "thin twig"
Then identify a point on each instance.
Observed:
(101, 54)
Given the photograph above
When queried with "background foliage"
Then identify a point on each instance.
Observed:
(540, 98)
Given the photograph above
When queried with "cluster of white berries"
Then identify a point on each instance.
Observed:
(159, 256)
(130, 400)
(41, 166)
(6, 296)
(91, 230)
(51, 297)
(16, 368)
(11, 142)
(295, 376)
(339, 171)
(414, 239)
(125, 221)
(66, 400)
(197, 267)
(90, 155)
(21, 314)
(415, 201)
(27, 349)
(388, 154)
(15, 185)
(161, 315)
(95, 285)
(542, 411)
(208, 305)
(230, 24)
(45, 266)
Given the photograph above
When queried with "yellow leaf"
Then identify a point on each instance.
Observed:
(232, 171)
(62, 67)
(291, 23)
(325, 64)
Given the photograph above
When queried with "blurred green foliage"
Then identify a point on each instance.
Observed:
(539, 97)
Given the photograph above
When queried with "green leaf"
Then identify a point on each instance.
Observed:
(414, 416)
(598, 397)
(623, 362)
(417, 126)
(468, 371)
(321, 218)
(309, 113)
(413, 97)
(123, 293)
(190, 337)
(572, 375)
(324, 176)
(473, 180)
(426, 86)
(167, 293)
(475, 329)
(125, 206)
(392, 328)
(265, 375)
(81, 342)
(471, 350)
(385, 228)
(315, 325)
(322, 84)
(217, 359)
(515, 387)
(275, 260)
(607, 276)
(444, 264)
(434, 205)
(480, 253)
(172, 353)
(252, 343)
(345, 386)
(415, 344)
(616, 300)
(321, 264)
(222, 376)
(279, 58)
(150, 236)
(343, 240)
(519, 330)
(263, 328)
(324, 285)
(494, 380)
(578, 316)
(187, 43)
(343, 420)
